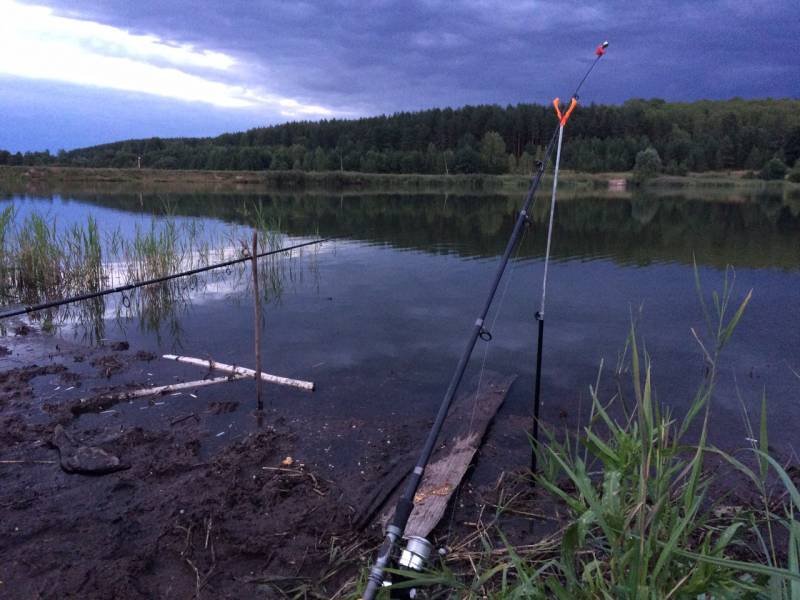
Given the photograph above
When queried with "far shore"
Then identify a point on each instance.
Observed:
(22, 178)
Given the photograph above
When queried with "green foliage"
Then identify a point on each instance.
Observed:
(493, 154)
(647, 166)
(697, 136)
(794, 174)
(775, 168)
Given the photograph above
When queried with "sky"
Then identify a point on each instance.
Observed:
(77, 73)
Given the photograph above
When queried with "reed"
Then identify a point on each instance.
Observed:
(644, 521)
(41, 260)
(38, 258)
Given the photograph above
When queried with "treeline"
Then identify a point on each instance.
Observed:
(697, 136)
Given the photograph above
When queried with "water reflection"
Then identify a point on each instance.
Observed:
(756, 230)
(44, 259)
(145, 235)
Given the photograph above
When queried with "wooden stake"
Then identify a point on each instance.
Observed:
(210, 364)
(257, 322)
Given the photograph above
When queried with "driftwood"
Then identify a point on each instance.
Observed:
(212, 365)
(468, 419)
(100, 403)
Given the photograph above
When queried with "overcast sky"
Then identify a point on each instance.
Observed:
(75, 73)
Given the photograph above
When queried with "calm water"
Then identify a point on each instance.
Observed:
(379, 318)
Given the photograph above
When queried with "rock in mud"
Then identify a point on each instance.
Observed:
(120, 346)
(86, 460)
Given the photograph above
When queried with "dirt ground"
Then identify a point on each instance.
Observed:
(251, 519)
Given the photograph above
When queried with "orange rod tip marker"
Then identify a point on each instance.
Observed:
(563, 118)
(601, 49)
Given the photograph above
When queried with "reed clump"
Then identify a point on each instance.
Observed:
(42, 260)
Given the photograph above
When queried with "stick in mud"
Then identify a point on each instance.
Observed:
(99, 403)
(212, 365)
(257, 322)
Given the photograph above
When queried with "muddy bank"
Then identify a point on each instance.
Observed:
(182, 503)
(252, 517)
(171, 525)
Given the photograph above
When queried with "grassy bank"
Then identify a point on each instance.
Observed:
(284, 181)
(336, 181)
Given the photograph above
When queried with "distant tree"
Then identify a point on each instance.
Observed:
(296, 155)
(647, 165)
(321, 160)
(512, 164)
(280, 160)
(794, 174)
(466, 160)
(775, 168)
(449, 159)
(123, 160)
(525, 164)
(369, 162)
(5, 157)
(699, 136)
(166, 162)
(676, 168)
(679, 145)
(791, 146)
(493, 153)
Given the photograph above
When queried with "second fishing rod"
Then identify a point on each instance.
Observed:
(416, 553)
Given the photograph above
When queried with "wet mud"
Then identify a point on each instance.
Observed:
(119, 511)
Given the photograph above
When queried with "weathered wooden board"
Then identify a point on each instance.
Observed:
(466, 424)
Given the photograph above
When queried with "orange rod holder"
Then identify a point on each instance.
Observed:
(565, 117)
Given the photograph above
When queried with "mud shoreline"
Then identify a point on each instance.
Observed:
(251, 517)
(189, 515)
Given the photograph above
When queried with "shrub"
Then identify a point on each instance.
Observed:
(647, 166)
(773, 169)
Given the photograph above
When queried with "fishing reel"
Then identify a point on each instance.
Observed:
(412, 560)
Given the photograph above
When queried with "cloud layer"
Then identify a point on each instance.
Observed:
(37, 44)
(272, 60)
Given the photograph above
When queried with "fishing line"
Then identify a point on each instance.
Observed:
(499, 309)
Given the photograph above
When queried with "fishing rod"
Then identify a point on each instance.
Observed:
(418, 549)
(562, 121)
(130, 286)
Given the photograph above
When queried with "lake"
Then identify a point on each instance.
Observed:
(378, 317)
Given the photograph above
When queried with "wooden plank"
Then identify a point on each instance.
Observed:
(466, 424)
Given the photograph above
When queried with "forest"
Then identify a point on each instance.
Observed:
(698, 136)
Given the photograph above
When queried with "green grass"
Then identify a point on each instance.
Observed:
(643, 519)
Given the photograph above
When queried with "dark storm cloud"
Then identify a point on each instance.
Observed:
(392, 55)
(382, 56)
